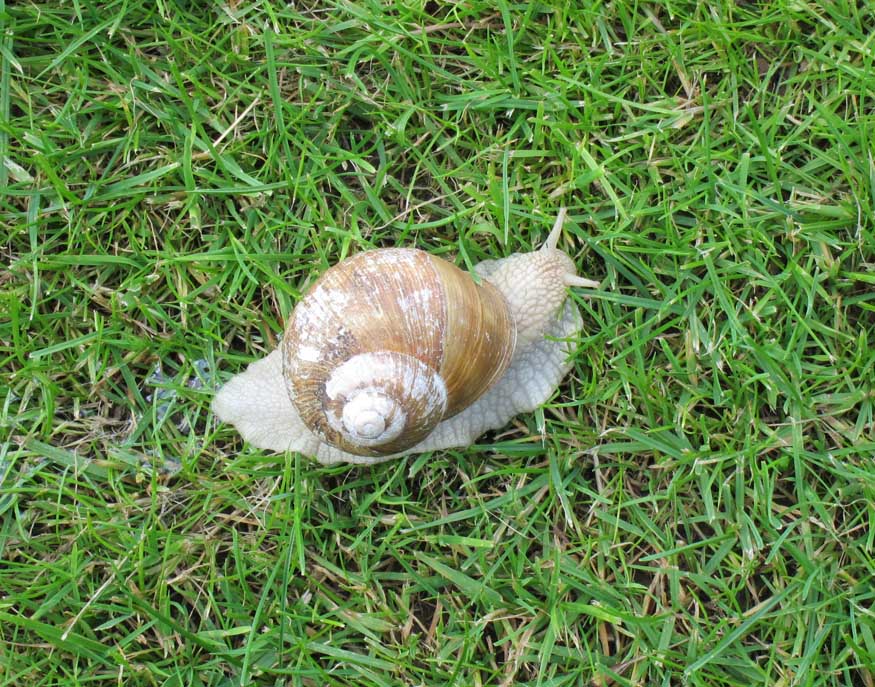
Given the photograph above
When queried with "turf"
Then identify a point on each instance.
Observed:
(695, 504)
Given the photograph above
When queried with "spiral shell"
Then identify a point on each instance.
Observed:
(390, 342)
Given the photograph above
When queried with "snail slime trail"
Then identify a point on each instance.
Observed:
(394, 351)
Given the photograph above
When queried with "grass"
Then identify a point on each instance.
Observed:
(695, 505)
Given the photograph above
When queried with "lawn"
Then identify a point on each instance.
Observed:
(693, 506)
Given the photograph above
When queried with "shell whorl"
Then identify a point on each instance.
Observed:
(388, 343)
(375, 399)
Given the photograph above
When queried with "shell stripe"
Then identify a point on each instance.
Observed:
(479, 336)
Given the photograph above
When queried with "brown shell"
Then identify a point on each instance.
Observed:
(403, 301)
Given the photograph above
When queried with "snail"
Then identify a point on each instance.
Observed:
(394, 351)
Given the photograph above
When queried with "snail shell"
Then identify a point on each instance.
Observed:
(389, 343)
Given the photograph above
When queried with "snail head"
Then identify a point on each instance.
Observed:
(535, 284)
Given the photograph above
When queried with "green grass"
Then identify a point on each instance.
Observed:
(695, 506)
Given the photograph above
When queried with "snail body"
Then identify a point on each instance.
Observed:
(395, 351)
